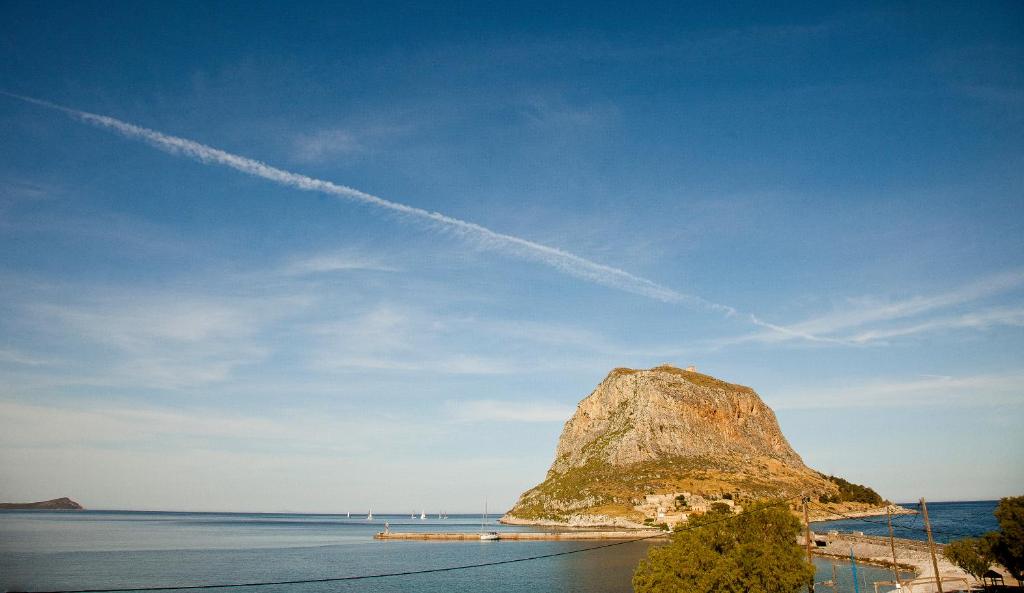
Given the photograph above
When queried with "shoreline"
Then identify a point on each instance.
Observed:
(834, 513)
(525, 535)
(821, 516)
(577, 522)
(911, 555)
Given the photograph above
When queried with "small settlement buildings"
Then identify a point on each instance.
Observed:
(676, 507)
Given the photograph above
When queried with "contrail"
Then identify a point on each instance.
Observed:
(483, 237)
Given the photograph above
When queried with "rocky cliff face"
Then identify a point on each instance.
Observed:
(660, 431)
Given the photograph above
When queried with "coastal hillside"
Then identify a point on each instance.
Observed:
(57, 504)
(653, 446)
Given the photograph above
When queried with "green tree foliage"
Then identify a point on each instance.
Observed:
(850, 492)
(753, 552)
(971, 554)
(1008, 543)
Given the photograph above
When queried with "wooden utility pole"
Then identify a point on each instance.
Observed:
(807, 543)
(931, 546)
(892, 545)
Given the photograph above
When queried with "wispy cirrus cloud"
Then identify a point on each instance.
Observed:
(397, 338)
(480, 236)
(836, 328)
(863, 321)
(129, 323)
(159, 340)
(11, 356)
(19, 190)
(927, 390)
(29, 424)
(999, 316)
(324, 145)
(872, 311)
(336, 261)
(405, 336)
(489, 410)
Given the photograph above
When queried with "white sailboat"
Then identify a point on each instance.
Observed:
(423, 515)
(348, 515)
(487, 536)
(369, 515)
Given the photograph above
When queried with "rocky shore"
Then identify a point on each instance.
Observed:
(577, 522)
(854, 511)
(912, 555)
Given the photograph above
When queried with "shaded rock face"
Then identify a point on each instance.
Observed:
(658, 431)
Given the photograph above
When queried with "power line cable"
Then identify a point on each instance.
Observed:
(403, 573)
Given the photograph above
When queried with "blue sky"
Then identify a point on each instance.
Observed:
(824, 203)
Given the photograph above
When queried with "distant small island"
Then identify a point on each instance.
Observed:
(57, 504)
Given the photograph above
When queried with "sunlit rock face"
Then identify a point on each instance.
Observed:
(659, 431)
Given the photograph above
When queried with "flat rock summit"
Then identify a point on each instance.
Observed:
(652, 446)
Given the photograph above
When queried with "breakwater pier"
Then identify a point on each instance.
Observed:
(522, 535)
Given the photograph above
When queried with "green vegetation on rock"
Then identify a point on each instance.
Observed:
(598, 487)
(850, 492)
(603, 485)
(754, 552)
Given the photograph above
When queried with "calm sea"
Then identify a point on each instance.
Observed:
(48, 550)
(950, 520)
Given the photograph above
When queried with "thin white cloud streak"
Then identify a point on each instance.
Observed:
(784, 332)
(979, 289)
(486, 410)
(445, 365)
(160, 320)
(325, 144)
(825, 328)
(287, 431)
(334, 262)
(389, 338)
(164, 341)
(483, 237)
(979, 320)
(929, 391)
(20, 358)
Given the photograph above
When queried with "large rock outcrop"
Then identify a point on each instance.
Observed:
(644, 437)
